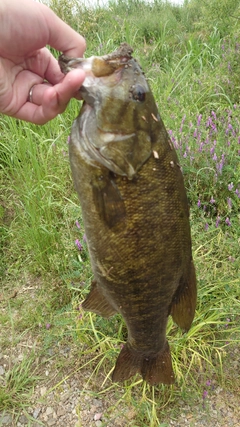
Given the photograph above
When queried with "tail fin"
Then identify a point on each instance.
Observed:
(154, 369)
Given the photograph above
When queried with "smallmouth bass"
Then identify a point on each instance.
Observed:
(135, 212)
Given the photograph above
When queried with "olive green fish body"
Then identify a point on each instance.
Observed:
(136, 219)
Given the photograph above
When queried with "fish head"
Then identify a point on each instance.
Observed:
(116, 121)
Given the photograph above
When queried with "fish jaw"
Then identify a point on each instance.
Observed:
(100, 66)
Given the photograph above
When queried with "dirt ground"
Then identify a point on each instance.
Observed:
(65, 395)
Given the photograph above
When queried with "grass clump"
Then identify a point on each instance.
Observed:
(16, 389)
(191, 57)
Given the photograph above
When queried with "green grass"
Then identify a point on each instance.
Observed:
(191, 59)
(19, 382)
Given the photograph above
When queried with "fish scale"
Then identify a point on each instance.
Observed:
(135, 212)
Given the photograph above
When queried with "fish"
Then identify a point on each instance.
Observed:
(135, 212)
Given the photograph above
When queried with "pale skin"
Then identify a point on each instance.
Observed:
(26, 27)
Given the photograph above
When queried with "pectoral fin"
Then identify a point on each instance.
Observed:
(97, 303)
(184, 301)
(109, 203)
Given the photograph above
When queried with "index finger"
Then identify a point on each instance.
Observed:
(62, 37)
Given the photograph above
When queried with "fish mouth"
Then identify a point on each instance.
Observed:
(98, 66)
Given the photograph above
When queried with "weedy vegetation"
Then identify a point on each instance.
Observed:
(190, 55)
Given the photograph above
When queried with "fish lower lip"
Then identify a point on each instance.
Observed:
(75, 62)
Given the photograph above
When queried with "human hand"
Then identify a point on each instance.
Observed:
(26, 27)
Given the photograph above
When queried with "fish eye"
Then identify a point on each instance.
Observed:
(138, 93)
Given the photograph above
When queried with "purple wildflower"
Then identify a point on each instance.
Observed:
(212, 200)
(214, 115)
(176, 145)
(208, 383)
(48, 325)
(78, 244)
(206, 226)
(199, 203)
(208, 121)
(205, 393)
(214, 157)
(221, 164)
(230, 186)
(237, 193)
(199, 119)
(228, 222)
(183, 119)
(219, 167)
(77, 224)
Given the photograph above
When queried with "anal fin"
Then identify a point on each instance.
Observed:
(154, 369)
(97, 303)
(184, 300)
